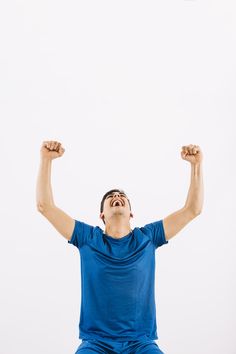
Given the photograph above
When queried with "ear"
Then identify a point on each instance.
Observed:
(101, 216)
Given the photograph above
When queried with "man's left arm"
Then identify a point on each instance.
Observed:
(173, 223)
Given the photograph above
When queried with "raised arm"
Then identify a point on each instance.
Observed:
(63, 223)
(176, 221)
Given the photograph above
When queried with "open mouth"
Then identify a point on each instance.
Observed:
(117, 203)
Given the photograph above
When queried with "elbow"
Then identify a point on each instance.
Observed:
(198, 212)
(42, 207)
(194, 212)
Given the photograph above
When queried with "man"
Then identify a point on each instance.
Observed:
(118, 312)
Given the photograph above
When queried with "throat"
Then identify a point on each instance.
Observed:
(117, 233)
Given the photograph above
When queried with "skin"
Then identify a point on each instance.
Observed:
(117, 218)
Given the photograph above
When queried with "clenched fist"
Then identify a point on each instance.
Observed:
(192, 154)
(51, 150)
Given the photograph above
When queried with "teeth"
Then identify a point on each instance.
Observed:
(116, 203)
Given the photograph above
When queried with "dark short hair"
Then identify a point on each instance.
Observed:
(109, 192)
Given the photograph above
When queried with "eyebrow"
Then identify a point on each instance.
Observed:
(114, 193)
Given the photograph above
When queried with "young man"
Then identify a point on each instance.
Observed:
(118, 311)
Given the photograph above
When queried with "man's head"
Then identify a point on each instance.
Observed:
(115, 203)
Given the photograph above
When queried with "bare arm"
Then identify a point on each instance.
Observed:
(63, 223)
(44, 194)
(195, 194)
(176, 221)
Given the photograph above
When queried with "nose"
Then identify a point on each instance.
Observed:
(116, 194)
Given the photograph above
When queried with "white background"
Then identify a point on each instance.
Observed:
(123, 85)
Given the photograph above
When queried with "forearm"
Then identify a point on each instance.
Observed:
(44, 194)
(196, 191)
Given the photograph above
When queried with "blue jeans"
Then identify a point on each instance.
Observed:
(92, 346)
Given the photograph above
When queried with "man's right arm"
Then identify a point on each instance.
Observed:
(63, 223)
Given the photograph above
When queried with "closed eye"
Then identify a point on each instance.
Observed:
(109, 196)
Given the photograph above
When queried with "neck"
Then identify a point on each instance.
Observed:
(117, 231)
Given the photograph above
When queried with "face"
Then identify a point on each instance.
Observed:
(116, 203)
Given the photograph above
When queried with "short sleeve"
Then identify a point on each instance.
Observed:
(82, 233)
(156, 232)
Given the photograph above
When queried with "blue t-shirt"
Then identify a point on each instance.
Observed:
(117, 281)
